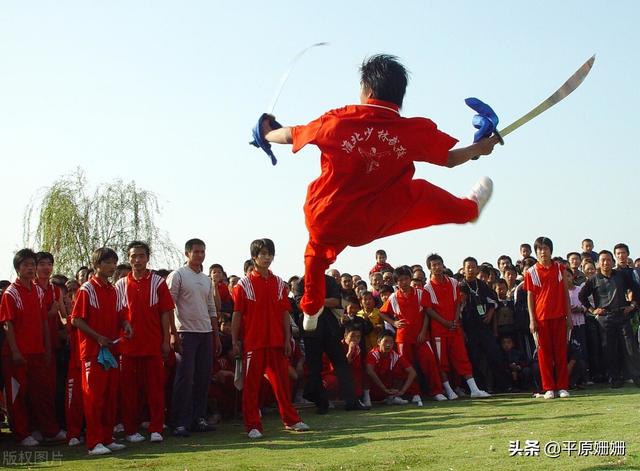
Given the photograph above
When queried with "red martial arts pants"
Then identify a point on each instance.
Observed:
(27, 398)
(74, 412)
(430, 206)
(272, 362)
(452, 353)
(421, 355)
(552, 354)
(392, 380)
(142, 375)
(99, 399)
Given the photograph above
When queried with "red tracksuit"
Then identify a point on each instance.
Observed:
(449, 345)
(97, 305)
(392, 371)
(74, 412)
(547, 283)
(410, 308)
(142, 370)
(262, 302)
(367, 162)
(24, 307)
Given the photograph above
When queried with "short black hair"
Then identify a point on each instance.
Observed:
(573, 253)
(432, 258)
(247, 265)
(468, 260)
(215, 265)
(346, 275)
(542, 240)
(4, 284)
(44, 256)
(351, 327)
(504, 257)
(22, 255)
(385, 289)
(485, 270)
(525, 246)
(138, 244)
(381, 252)
(259, 244)
(499, 281)
(606, 252)
(101, 255)
(386, 333)
(621, 246)
(587, 240)
(385, 77)
(402, 270)
(188, 246)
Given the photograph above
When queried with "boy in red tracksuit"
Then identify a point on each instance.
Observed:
(446, 329)
(27, 355)
(391, 374)
(550, 319)
(406, 310)
(148, 307)
(261, 331)
(99, 322)
(366, 148)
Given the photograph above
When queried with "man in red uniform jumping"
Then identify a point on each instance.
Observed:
(365, 149)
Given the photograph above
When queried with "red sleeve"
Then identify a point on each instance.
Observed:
(305, 134)
(165, 301)
(81, 305)
(371, 359)
(285, 304)
(239, 298)
(387, 309)
(528, 284)
(402, 363)
(426, 299)
(434, 144)
(7, 308)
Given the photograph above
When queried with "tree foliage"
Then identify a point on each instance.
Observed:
(72, 221)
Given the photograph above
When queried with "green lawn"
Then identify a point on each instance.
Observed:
(458, 435)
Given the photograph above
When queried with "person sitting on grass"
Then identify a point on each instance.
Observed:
(391, 375)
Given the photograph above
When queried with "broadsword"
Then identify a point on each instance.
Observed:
(569, 86)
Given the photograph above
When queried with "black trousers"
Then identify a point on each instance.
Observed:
(482, 348)
(595, 352)
(328, 342)
(618, 335)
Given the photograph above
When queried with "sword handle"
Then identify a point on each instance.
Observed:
(500, 141)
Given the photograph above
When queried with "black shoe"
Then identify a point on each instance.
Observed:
(322, 407)
(181, 432)
(202, 425)
(356, 405)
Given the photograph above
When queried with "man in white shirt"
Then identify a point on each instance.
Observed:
(193, 336)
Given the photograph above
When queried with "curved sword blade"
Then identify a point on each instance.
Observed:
(569, 86)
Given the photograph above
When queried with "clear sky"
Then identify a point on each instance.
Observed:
(166, 93)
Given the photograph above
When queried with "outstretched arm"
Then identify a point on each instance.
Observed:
(278, 136)
(463, 154)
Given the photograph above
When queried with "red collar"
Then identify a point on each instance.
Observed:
(381, 104)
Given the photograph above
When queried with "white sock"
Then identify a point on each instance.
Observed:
(365, 396)
(472, 385)
(447, 388)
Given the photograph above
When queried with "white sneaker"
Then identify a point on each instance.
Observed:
(118, 428)
(135, 438)
(481, 193)
(310, 321)
(254, 433)
(99, 449)
(396, 401)
(549, 395)
(74, 441)
(61, 436)
(452, 396)
(563, 393)
(417, 400)
(113, 446)
(440, 397)
(366, 399)
(29, 441)
(480, 394)
(298, 427)
(156, 437)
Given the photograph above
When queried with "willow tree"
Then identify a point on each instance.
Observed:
(70, 221)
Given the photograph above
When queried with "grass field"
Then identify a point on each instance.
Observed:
(460, 435)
